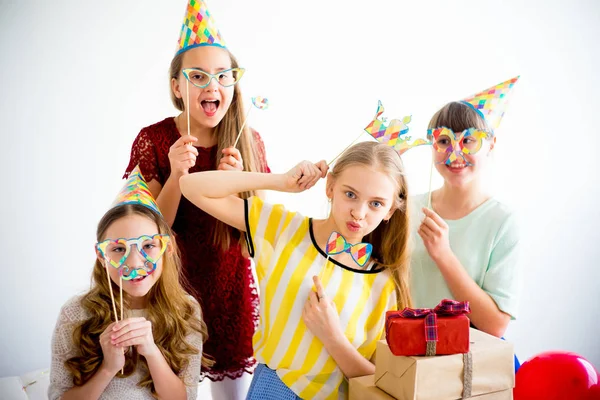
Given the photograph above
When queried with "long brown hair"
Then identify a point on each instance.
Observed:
(170, 309)
(390, 240)
(226, 132)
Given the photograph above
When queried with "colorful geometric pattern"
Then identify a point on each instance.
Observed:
(360, 252)
(440, 134)
(393, 133)
(136, 191)
(492, 102)
(198, 28)
(262, 103)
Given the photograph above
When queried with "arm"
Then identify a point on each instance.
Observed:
(167, 384)
(215, 192)
(321, 317)
(138, 332)
(63, 348)
(485, 313)
(93, 388)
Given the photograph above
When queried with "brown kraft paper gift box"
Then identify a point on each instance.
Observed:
(363, 388)
(441, 377)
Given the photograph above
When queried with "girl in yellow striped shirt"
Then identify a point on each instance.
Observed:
(320, 315)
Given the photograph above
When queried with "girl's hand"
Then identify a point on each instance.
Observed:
(304, 176)
(231, 160)
(182, 155)
(434, 232)
(321, 317)
(113, 356)
(135, 332)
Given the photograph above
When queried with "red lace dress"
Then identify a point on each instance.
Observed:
(221, 281)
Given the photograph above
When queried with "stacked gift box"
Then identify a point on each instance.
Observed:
(433, 354)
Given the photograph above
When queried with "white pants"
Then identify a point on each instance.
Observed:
(227, 389)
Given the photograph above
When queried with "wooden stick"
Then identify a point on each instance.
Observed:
(242, 128)
(121, 300)
(335, 158)
(430, 176)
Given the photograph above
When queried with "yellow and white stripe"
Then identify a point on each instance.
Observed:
(286, 260)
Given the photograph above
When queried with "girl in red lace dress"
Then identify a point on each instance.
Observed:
(217, 269)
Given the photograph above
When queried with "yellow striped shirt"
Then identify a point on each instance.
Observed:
(287, 257)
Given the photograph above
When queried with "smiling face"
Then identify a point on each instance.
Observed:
(361, 198)
(130, 227)
(461, 144)
(207, 105)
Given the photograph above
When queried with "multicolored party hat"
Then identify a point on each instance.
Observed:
(199, 28)
(136, 191)
(492, 102)
(394, 133)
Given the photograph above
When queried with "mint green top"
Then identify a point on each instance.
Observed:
(486, 242)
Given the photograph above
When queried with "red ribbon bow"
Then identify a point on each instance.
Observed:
(445, 308)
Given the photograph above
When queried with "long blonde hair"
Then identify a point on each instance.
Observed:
(226, 132)
(390, 240)
(170, 309)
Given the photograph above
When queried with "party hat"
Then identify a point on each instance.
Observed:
(136, 191)
(492, 102)
(198, 28)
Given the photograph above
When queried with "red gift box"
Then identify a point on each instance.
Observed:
(442, 330)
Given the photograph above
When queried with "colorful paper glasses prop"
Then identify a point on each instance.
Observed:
(151, 248)
(360, 252)
(456, 145)
(202, 79)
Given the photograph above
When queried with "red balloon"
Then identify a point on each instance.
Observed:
(557, 375)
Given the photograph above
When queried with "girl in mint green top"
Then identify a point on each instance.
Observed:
(467, 243)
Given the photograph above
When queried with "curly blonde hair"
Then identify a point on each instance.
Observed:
(170, 309)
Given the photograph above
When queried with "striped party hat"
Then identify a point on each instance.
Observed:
(136, 191)
(491, 103)
(198, 28)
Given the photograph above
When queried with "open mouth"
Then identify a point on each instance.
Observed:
(210, 107)
(456, 167)
(138, 279)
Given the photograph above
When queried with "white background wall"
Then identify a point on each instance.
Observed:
(80, 79)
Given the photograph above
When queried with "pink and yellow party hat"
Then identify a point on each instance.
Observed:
(492, 102)
(136, 191)
(198, 28)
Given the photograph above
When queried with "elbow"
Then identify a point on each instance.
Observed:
(498, 325)
(185, 184)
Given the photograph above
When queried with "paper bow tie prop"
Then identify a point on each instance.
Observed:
(491, 104)
(445, 308)
(198, 28)
(394, 133)
(360, 252)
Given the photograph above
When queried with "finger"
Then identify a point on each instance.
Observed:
(323, 168)
(313, 299)
(127, 322)
(319, 287)
(434, 216)
(229, 160)
(226, 167)
(133, 341)
(233, 152)
(185, 139)
(142, 328)
(308, 175)
(136, 333)
(431, 224)
(191, 149)
(426, 232)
